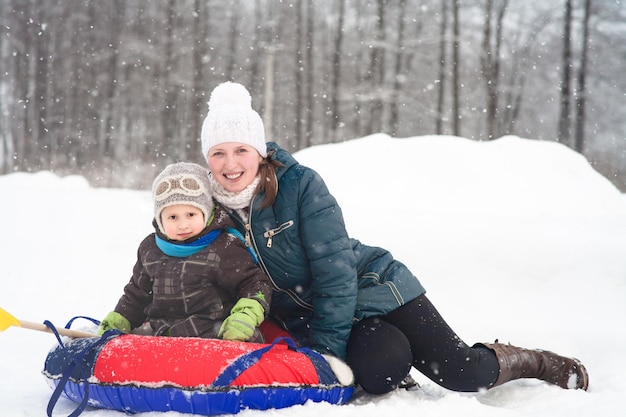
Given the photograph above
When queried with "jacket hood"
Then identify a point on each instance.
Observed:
(281, 156)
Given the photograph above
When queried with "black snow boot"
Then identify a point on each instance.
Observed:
(409, 384)
(516, 363)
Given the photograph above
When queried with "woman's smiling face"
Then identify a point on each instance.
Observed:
(234, 165)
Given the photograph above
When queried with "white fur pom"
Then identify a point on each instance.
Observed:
(341, 369)
(231, 94)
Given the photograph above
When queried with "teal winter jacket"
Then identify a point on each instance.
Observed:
(323, 280)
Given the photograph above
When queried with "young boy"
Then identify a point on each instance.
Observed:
(192, 277)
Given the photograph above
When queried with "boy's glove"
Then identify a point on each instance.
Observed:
(244, 317)
(114, 320)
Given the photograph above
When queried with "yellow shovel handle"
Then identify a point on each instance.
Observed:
(62, 330)
(7, 320)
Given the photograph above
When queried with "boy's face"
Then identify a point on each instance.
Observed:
(182, 221)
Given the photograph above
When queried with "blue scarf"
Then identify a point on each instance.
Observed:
(182, 250)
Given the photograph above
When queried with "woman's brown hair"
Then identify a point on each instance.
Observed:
(269, 182)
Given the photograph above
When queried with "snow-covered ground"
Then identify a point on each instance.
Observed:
(514, 239)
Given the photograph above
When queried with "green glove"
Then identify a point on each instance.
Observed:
(244, 317)
(114, 320)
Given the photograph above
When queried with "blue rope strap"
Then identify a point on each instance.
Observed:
(76, 364)
(239, 365)
(69, 323)
(242, 363)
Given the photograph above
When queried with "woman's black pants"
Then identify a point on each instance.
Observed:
(381, 351)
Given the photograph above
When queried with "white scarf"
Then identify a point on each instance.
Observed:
(236, 201)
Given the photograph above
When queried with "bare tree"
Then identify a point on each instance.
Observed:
(40, 94)
(115, 35)
(22, 56)
(272, 46)
(456, 82)
(490, 62)
(233, 36)
(168, 103)
(198, 109)
(442, 68)
(121, 87)
(336, 71)
(74, 96)
(581, 93)
(357, 124)
(520, 64)
(489, 74)
(6, 140)
(310, 70)
(257, 48)
(299, 70)
(563, 134)
(376, 71)
(397, 76)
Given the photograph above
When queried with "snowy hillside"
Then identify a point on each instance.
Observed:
(514, 239)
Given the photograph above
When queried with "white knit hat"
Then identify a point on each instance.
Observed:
(182, 183)
(232, 119)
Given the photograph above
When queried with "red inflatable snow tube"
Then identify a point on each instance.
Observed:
(135, 374)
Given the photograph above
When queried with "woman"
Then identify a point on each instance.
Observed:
(333, 293)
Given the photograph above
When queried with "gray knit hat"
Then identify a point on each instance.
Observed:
(182, 183)
(232, 119)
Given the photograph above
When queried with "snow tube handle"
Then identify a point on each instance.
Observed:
(68, 371)
(239, 365)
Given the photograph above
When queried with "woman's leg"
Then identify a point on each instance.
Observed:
(439, 353)
(379, 355)
(443, 357)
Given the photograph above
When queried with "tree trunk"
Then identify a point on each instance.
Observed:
(394, 111)
(257, 49)
(268, 113)
(336, 71)
(272, 47)
(490, 61)
(581, 94)
(496, 67)
(5, 134)
(299, 74)
(43, 146)
(198, 99)
(563, 134)
(488, 73)
(520, 68)
(456, 82)
(376, 72)
(23, 128)
(310, 70)
(232, 41)
(168, 106)
(442, 67)
(112, 72)
(357, 120)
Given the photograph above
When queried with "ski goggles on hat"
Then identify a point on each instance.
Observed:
(179, 184)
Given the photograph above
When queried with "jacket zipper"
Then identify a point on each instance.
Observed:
(271, 233)
(252, 242)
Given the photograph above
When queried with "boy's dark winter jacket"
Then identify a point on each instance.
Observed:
(191, 296)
